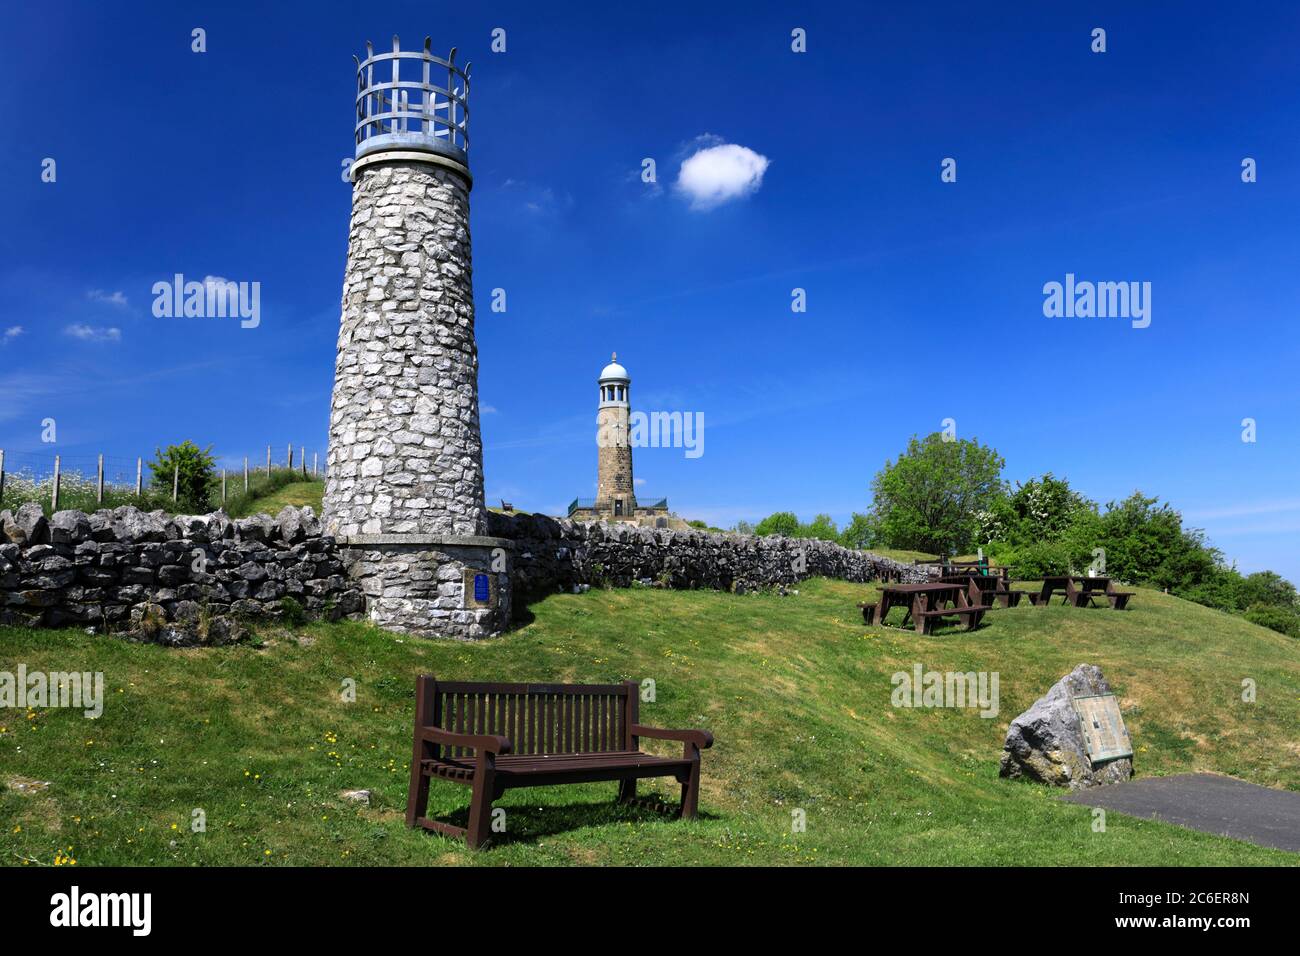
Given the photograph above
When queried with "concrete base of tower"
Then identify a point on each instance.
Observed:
(433, 586)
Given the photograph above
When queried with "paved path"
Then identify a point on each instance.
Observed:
(1209, 803)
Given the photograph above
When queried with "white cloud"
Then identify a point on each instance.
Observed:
(487, 409)
(90, 334)
(11, 333)
(108, 298)
(719, 173)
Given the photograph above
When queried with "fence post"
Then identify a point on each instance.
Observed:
(290, 465)
(223, 487)
(245, 474)
(176, 483)
(268, 461)
(99, 484)
(314, 456)
(302, 459)
(2, 475)
(54, 503)
(139, 476)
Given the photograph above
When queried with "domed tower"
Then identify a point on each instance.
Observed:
(404, 487)
(614, 494)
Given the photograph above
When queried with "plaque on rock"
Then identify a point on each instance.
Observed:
(1103, 728)
(479, 589)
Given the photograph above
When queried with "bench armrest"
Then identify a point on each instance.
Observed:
(488, 743)
(701, 738)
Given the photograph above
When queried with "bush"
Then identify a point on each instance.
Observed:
(292, 613)
(782, 523)
(190, 470)
(787, 524)
(1280, 619)
(1267, 588)
(860, 533)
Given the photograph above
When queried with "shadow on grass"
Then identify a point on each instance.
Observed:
(528, 824)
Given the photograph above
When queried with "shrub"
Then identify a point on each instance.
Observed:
(292, 613)
(193, 472)
(782, 522)
(1280, 619)
(860, 533)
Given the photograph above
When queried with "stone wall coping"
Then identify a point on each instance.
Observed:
(449, 540)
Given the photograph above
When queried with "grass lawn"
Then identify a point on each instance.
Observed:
(298, 494)
(795, 689)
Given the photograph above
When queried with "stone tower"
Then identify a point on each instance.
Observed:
(404, 487)
(614, 486)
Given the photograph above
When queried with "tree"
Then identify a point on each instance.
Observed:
(782, 523)
(197, 477)
(859, 534)
(928, 500)
(822, 527)
(1042, 509)
(1269, 589)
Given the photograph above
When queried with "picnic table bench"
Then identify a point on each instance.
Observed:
(926, 605)
(493, 737)
(1080, 591)
(983, 588)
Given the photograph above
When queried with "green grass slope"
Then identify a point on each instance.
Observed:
(795, 689)
(298, 494)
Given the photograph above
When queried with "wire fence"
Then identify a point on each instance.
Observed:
(85, 482)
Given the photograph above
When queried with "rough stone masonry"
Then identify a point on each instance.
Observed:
(404, 452)
(173, 579)
(196, 579)
(404, 484)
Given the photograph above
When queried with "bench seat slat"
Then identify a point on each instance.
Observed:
(579, 690)
(524, 764)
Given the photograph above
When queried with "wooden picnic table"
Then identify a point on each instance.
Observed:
(1079, 591)
(985, 588)
(925, 604)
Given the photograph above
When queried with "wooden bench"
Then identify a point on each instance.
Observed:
(1105, 588)
(496, 737)
(971, 617)
(1098, 588)
(868, 612)
(981, 588)
(1080, 592)
(1118, 599)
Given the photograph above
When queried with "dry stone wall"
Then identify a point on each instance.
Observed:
(193, 579)
(182, 579)
(557, 554)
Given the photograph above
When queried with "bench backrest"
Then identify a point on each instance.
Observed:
(538, 718)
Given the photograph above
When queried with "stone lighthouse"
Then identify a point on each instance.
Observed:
(614, 485)
(404, 487)
(616, 498)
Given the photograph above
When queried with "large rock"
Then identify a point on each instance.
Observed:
(1046, 744)
(133, 526)
(69, 527)
(27, 525)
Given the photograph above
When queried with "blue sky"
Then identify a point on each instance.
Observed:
(925, 298)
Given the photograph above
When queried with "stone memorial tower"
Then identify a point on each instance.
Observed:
(614, 485)
(404, 487)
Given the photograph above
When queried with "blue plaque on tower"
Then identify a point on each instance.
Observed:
(481, 589)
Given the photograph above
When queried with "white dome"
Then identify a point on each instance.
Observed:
(614, 371)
